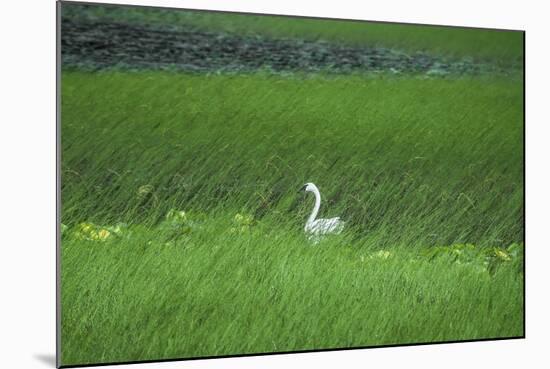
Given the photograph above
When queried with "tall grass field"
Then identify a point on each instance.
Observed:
(183, 228)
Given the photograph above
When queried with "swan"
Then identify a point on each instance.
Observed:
(315, 228)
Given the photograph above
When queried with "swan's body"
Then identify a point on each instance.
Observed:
(315, 228)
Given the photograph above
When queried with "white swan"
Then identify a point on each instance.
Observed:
(315, 228)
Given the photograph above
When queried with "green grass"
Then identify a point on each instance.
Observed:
(505, 47)
(216, 293)
(409, 163)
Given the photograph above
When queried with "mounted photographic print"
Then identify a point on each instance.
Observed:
(240, 184)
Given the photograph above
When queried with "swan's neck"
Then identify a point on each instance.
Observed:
(316, 207)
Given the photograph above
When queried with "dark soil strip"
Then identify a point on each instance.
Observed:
(105, 45)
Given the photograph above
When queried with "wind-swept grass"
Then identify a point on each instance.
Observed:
(409, 163)
(145, 295)
(421, 161)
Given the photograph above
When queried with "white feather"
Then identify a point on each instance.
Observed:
(315, 228)
(324, 226)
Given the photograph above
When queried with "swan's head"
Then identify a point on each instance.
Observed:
(308, 187)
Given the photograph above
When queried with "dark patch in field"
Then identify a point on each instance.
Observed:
(101, 45)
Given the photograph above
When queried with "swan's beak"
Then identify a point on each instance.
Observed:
(302, 189)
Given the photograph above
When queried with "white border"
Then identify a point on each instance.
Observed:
(27, 154)
(469, 13)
